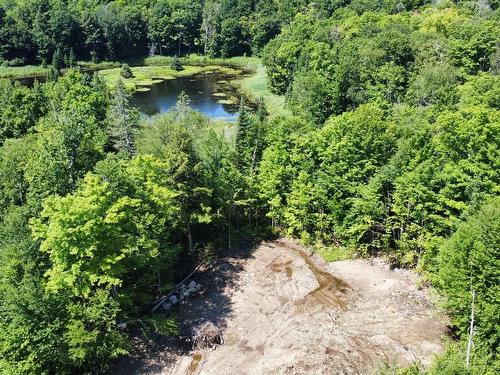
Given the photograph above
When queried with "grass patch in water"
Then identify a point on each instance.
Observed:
(219, 94)
(225, 101)
(94, 66)
(197, 60)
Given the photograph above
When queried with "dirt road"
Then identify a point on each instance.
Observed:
(284, 312)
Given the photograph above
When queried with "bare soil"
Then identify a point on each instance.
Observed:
(285, 311)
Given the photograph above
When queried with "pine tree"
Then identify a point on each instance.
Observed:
(72, 62)
(243, 131)
(123, 121)
(261, 110)
(182, 106)
(52, 75)
(57, 60)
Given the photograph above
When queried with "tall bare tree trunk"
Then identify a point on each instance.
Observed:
(471, 330)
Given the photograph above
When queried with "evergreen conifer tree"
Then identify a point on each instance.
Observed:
(123, 121)
(57, 60)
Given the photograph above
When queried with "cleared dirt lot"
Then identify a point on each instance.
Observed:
(285, 312)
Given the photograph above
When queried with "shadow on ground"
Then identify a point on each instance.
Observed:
(213, 304)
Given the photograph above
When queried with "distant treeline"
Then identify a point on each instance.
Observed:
(32, 31)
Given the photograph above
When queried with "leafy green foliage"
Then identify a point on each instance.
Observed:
(395, 148)
(469, 262)
(21, 108)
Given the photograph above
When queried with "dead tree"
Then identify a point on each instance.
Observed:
(471, 329)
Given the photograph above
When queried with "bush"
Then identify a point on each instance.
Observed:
(17, 61)
(176, 64)
(125, 71)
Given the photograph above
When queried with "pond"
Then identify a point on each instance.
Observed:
(208, 92)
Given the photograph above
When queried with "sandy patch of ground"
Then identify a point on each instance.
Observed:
(284, 312)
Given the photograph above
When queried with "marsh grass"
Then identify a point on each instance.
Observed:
(255, 87)
(27, 71)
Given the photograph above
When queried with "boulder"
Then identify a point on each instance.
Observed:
(167, 306)
(173, 299)
(192, 284)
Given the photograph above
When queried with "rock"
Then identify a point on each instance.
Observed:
(122, 326)
(167, 306)
(173, 299)
(183, 287)
(192, 290)
(185, 293)
(198, 287)
(192, 285)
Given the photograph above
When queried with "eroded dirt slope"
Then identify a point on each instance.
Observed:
(288, 313)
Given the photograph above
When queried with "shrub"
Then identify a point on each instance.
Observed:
(176, 64)
(125, 71)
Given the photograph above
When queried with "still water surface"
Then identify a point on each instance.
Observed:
(205, 91)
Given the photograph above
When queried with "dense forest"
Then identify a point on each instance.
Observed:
(392, 148)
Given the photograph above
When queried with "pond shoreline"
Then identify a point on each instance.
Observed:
(213, 92)
(251, 80)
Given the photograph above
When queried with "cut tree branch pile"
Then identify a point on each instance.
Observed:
(207, 336)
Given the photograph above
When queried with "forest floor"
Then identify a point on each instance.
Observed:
(283, 310)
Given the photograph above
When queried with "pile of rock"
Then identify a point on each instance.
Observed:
(183, 292)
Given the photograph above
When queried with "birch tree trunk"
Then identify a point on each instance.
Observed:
(471, 330)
